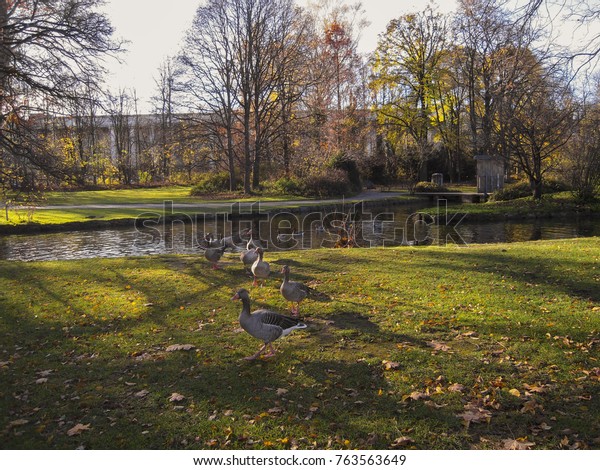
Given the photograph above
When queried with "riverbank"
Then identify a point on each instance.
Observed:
(551, 206)
(90, 216)
(479, 347)
(110, 210)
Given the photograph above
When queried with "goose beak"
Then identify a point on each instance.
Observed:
(236, 297)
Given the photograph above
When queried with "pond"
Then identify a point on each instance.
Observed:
(381, 226)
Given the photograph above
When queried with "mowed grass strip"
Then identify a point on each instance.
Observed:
(480, 347)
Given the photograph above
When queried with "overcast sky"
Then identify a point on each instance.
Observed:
(156, 27)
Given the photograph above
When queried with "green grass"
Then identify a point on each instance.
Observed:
(176, 194)
(401, 343)
(551, 205)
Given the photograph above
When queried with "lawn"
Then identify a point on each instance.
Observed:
(123, 197)
(479, 347)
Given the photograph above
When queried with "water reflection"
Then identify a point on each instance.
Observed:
(385, 226)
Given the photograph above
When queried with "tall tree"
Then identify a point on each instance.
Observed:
(164, 106)
(208, 81)
(47, 49)
(407, 66)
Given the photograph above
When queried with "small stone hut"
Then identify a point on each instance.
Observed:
(490, 174)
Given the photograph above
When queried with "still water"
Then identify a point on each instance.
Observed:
(384, 226)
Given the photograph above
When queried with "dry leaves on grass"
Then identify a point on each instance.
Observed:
(402, 441)
(390, 365)
(180, 347)
(475, 414)
(458, 388)
(517, 444)
(78, 429)
(176, 397)
(415, 396)
(438, 346)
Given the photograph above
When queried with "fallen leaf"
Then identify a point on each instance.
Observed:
(281, 391)
(530, 406)
(390, 365)
(514, 392)
(438, 346)
(475, 414)
(176, 397)
(535, 388)
(275, 410)
(18, 422)
(78, 429)
(456, 388)
(43, 380)
(417, 396)
(45, 373)
(402, 441)
(142, 393)
(180, 347)
(517, 444)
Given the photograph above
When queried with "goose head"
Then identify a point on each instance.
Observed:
(241, 294)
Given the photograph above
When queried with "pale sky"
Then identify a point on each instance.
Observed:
(155, 29)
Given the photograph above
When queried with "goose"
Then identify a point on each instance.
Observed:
(214, 255)
(249, 256)
(233, 240)
(294, 292)
(283, 237)
(264, 324)
(211, 242)
(260, 269)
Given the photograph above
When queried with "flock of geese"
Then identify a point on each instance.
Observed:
(263, 324)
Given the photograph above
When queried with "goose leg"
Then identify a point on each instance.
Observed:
(254, 356)
(272, 351)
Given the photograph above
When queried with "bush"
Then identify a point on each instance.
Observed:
(523, 189)
(342, 162)
(331, 184)
(210, 183)
(286, 186)
(428, 187)
(512, 191)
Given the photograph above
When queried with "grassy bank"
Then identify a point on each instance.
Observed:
(552, 205)
(489, 346)
(126, 199)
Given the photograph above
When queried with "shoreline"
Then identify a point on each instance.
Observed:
(506, 211)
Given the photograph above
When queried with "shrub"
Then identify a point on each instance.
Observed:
(209, 183)
(286, 186)
(428, 187)
(342, 162)
(331, 184)
(523, 189)
(512, 191)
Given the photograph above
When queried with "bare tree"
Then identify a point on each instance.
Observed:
(47, 49)
(209, 81)
(164, 106)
